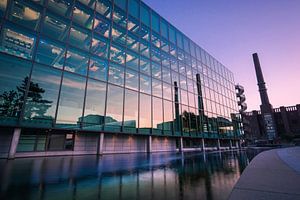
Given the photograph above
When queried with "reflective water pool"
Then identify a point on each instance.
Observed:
(126, 176)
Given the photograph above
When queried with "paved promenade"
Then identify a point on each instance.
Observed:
(273, 175)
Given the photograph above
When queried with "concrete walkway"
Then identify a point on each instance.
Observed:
(273, 174)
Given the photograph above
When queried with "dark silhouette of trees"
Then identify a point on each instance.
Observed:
(11, 102)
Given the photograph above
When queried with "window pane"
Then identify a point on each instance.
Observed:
(145, 111)
(104, 8)
(132, 79)
(62, 7)
(185, 119)
(116, 74)
(155, 22)
(50, 53)
(17, 42)
(132, 60)
(14, 74)
(145, 49)
(179, 39)
(133, 8)
(156, 88)
(166, 75)
(119, 17)
(117, 54)
(43, 93)
(55, 27)
(121, 4)
(101, 26)
(71, 100)
(168, 115)
(80, 38)
(94, 104)
(184, 97)
(99, 46)
(131, 109)
(167, 91)
(145, 66)
(157, 110)
(3, 7)
(119, 35)
(82, 16)
(76, 62)
(156, 70)
(114, 108)
(145, 84)
(144, 33)
(172, 34)
(98, 68)
(164, 28)
(145, 15)
(25, 15)
(132, 42)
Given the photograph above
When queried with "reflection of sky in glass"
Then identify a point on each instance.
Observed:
(145, 111)
(114, 102)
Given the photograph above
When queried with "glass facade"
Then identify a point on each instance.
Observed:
(108, 65)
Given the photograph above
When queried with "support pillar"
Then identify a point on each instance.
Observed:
(14, 143)
(149, 147)
(202, 144)
(237, 144)
(230, 144)
(181, 144)
(218, 144)
(100, 144)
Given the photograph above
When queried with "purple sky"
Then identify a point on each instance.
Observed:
(231, 30)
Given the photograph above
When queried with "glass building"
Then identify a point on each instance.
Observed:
(96, 76)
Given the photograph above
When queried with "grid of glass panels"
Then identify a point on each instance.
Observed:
(108, 65)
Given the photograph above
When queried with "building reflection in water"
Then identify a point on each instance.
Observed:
(132, 176)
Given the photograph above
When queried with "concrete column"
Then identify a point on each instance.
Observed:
(100, 144)
(149, 147)
(230, 144)
(14, 143)
(181, 144)
(218, 144)
(202, 144)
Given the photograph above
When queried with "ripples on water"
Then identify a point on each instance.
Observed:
(208, 176)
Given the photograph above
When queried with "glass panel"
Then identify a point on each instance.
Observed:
(133, 8)
(82, 16)
(157, 111)
(43, 93)
(63, 7)
(145, 49)
(50, 53)
(117, 54)
(121, 3)
(145, 84)
(3, 6)
(119, 17)
(80, 38)
(101, 26)
(132, 42)
(156, 88)
(71, 100)
(168, 115)
(76, 62)
(167, 91)
(89, 3)
(132, 79)
(14, 74)
(156, 70)
(99, 46)
(183, 84)
(116, 74)
(94, 104)
(179, 39)
(155, 22)
(186, 44)
(132, 60)
(145, 66)
(175, 78)
(185, 119)
(165, 60)
(98, 68)
(164, 28)
(144, 33)
(181, 68)
(145, 111)
(17, 43)
(174, 64)
(55, 27)
(145, 15)
(131, 109)
(166, 75)
(133, 25)
(184, 97)
(191, 99)
(104, 8)
(119, 35)
(114, 107)
(25, 15)
(155, 54)
(155, 39)
(173, 50)
(165, 45)
(172, 35)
